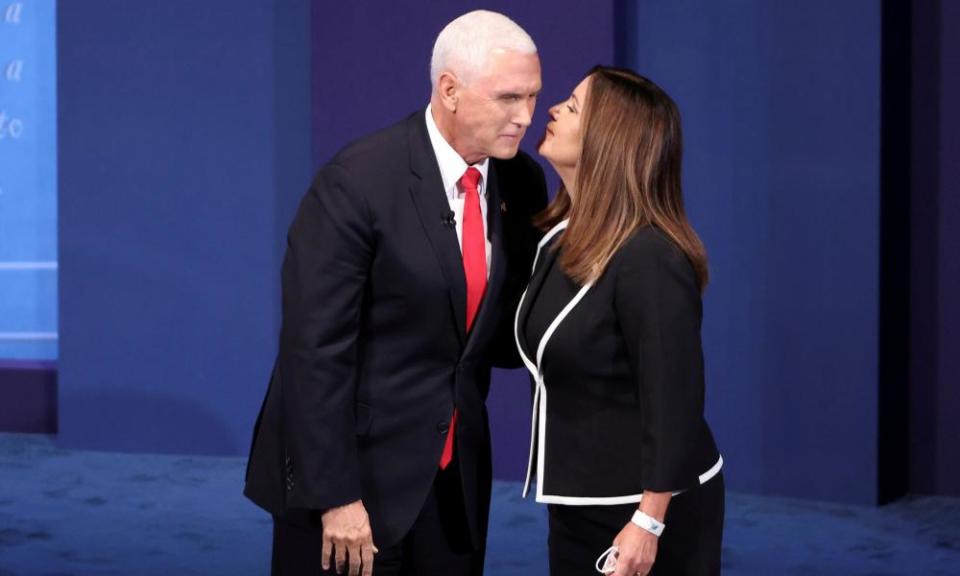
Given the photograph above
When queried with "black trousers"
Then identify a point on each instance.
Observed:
(690, 545)
(438, 543)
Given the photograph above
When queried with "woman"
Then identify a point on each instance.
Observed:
(610, 329)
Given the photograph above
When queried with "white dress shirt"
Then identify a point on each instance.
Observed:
(452, 167)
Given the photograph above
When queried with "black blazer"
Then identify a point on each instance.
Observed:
(619, 386)
(374, 353)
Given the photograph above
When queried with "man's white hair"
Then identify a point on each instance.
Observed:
(464, 44)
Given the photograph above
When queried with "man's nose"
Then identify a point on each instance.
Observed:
(525, 115)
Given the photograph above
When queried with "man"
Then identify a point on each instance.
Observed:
(403, 268)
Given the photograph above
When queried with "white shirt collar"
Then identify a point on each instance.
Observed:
(452, 165)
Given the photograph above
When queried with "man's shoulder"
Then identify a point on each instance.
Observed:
(378, 147)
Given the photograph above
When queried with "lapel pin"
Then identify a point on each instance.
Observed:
(503, 207)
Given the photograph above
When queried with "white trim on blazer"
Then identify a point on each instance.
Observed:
(538, 419)
(531, 367)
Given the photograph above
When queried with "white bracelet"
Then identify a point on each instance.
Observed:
(648, 523)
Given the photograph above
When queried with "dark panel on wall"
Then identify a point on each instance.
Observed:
(948, 389)
(924, 160)
(893, 435)
(935, 273)
(29, 392)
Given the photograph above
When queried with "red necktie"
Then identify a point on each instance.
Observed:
(474, 244)
(474, 248)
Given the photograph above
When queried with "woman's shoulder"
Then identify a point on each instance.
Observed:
(648, 249)
(649, 244)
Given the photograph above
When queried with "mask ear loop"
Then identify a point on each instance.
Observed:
(608, 560)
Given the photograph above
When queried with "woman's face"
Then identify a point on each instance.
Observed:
(561, 144)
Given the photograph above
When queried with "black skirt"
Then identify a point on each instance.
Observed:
(690, 545)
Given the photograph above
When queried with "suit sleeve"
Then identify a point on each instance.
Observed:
(325, 270)
(659, 309)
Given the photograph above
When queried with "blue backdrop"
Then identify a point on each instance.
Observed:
(188, 131)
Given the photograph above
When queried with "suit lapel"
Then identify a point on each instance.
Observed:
(426, 190)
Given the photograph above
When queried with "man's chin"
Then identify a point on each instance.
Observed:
(506, 152)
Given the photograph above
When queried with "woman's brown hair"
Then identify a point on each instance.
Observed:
(628, 176)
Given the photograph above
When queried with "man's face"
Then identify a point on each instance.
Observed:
(496, 106)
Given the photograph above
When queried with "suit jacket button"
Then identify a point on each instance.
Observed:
(443, 427)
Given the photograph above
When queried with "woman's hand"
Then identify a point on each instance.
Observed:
(638, 547)
(637, 551)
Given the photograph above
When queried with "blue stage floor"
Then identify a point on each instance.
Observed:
(88, 513)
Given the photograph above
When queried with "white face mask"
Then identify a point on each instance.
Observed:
(607, 562)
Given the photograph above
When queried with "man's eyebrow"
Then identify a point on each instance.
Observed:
(515, 94)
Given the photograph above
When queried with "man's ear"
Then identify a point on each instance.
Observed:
(448, 87)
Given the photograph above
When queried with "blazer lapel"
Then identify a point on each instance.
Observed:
(544, 260)
(426, 190)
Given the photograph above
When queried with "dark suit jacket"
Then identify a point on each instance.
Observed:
(374, 353)
(620, 397)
